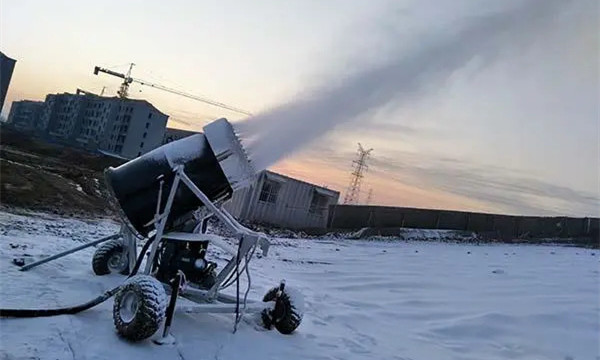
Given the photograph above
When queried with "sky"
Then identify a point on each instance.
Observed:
(484, 106)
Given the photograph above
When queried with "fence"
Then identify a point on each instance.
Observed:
(504, 226)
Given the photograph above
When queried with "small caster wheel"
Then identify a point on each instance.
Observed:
(286, 310)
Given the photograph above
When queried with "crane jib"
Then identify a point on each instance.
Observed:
(127, 79)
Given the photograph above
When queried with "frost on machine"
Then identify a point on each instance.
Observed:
(158, 195)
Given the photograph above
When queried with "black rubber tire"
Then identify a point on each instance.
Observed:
(151, 309)
(103, 254)
(284, 315)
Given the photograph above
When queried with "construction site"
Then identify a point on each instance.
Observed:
(395, 181)
(97, 131)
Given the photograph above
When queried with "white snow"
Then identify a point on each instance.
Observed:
(296, 299)
(183, 150)
(178, 152)
(363, 300)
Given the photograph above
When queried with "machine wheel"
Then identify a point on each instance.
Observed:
(287, 309)
(111, 257)
(139, 308)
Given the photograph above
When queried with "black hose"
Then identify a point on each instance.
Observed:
(237, 287)
(30, 313)
(247, 259)
(138, 262)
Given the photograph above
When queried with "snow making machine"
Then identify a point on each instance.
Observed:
(159, 194)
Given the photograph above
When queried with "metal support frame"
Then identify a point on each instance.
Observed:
(220, 308)
(130, 243)
(166, 337)
(210, 301)
(162, 220)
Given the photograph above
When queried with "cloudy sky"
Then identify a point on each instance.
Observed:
(472, 105)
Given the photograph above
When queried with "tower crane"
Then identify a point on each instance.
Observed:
(123, 91)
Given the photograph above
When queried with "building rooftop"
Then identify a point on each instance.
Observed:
(116, 98)
(285, 177)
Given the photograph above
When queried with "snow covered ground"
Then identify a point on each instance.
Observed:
(364, 300)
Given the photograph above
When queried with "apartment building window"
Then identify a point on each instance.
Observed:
(147, 125)
(149, 115)
(144, 136)
(142, 144)
(269, 191)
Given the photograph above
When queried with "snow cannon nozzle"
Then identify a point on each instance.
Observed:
(214, 161)
(230, 153)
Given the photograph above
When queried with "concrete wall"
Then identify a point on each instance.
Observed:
(500, 226)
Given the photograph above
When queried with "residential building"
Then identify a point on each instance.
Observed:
(23, 114)
(7, 65)
(61, 115)
(279, 200)
(123, 127)
(94, 128)
(137, 128)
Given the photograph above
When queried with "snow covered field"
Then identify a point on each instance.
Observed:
(364, 300)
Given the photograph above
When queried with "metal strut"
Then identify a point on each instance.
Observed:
(70, 251)
(248, 240)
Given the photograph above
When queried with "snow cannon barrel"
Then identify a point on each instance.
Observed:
(215, 161)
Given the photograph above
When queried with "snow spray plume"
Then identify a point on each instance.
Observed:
(283, 130)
